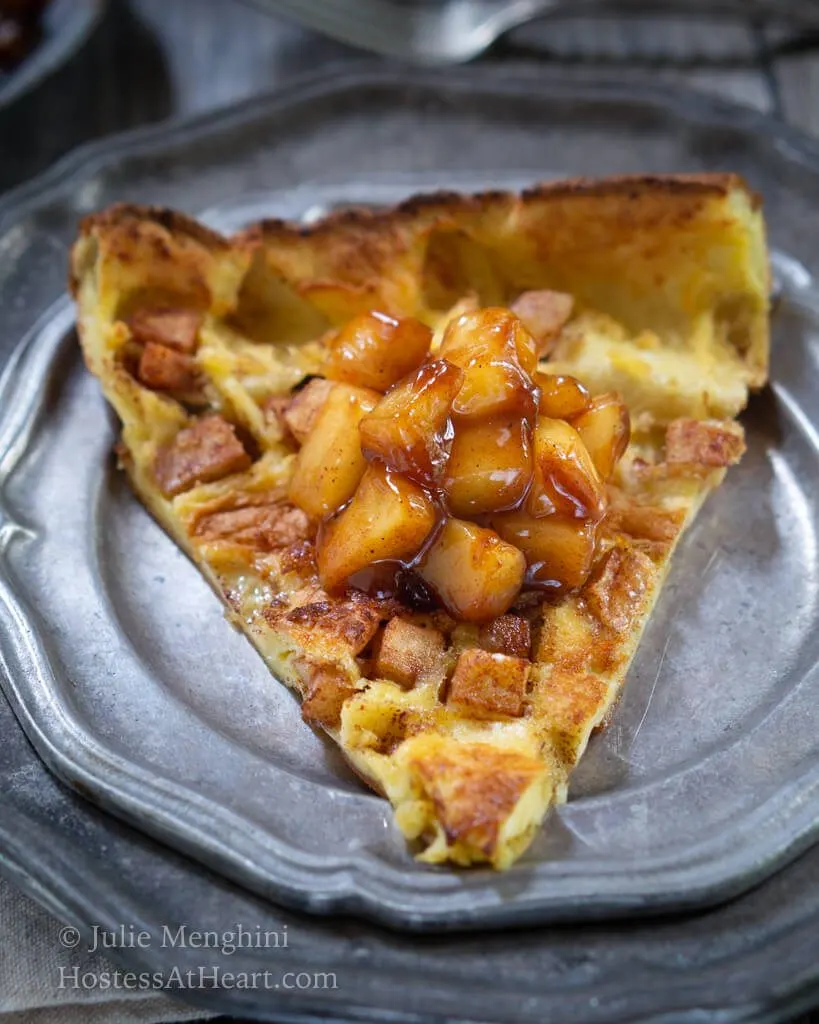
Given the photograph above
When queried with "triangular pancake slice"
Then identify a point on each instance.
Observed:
(213, 352)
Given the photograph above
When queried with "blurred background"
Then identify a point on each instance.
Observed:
(82, 69)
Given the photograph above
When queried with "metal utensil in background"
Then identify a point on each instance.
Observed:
(455, 31)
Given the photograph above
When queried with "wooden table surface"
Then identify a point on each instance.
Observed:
(152, 59)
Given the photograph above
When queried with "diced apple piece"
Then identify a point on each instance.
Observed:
(508, 634)
(388, 519)
(467, 304)
(175, 328)
(330, 465)
(486, 685)
(409, 428)
(325, 697)
(497, 355)
(474, 573)
(165, 369)
(303, 410)
(561, 397)
(205, 451)
(407, 651)
(374, 350)
(606, 429)
(559, 551)
(543, 314)
(565, 479)
(489, 466)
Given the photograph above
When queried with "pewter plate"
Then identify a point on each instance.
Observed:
(133, 688)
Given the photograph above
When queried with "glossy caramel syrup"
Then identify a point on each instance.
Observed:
(553, 395)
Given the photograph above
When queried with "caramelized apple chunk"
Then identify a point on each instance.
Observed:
(410, 428)
(399, 479)
(374, 350)
(605, 429)
(474, 573)
(565, 480)
(559, 551)
(489, 466)
(543, 314)
(388, 519)
(497, 356)
(561, 397)
(330, 464)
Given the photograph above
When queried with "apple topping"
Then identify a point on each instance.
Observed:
(559, 552)
(561, 397)
(474, 573)
(566, 480)
(410, 427)
(387, 520)
(497, 355)
(605, 429)
(330, 463)
(375, 351)
(489, 467)
(475, 476)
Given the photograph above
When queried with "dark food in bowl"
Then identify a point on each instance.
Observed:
(20, 30)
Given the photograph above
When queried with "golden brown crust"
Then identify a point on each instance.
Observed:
(349, 623)
(474, 790)
(615, 591)
(569, 704)
(130, 216)
(635, 187)
(706, 444)
(637, 248)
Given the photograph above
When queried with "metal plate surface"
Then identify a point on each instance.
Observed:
(134, 689)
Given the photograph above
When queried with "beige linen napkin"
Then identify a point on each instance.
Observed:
(31, 992)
